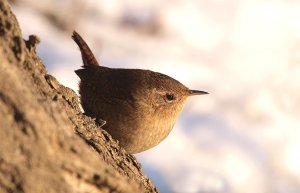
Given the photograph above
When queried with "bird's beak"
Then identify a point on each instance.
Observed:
(197, 92)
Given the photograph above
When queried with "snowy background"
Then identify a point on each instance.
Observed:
(242, 138)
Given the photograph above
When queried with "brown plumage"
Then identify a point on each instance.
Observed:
(139, 106)
(87, 55)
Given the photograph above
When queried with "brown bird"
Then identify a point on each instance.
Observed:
(139, 106)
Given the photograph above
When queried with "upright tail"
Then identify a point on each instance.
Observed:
(87, 55)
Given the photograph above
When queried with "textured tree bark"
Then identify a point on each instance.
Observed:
(46, 143)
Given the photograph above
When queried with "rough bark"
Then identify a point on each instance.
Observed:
(46, 143)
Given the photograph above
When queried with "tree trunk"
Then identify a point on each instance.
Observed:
(46, 143)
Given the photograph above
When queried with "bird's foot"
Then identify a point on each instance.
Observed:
(100, 122)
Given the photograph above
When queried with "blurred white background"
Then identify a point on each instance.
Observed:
(242, 138)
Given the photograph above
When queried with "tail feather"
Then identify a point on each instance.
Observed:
(87, 55)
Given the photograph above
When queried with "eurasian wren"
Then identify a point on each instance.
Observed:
(140, 106)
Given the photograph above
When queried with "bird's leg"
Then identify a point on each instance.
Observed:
(100, 122)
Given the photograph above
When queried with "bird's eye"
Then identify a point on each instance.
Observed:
(169, 97)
